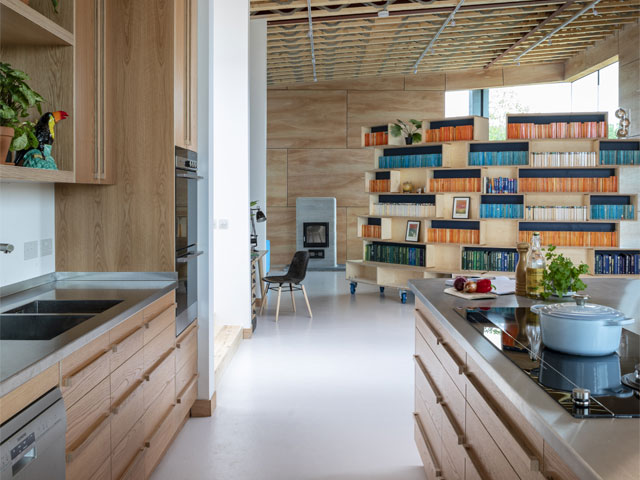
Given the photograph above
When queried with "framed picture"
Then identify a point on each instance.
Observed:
(413, 231)
(461, 207)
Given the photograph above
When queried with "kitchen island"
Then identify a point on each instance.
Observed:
(480, 416)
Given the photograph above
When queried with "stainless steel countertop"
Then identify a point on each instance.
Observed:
(21, 360)
(594, 448)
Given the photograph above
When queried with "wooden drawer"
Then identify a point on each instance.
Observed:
(554, 466)
(452, 442)
(431, 428)
(158, 316)
(158, 378)
(129, 374)
(85, 413)
(135, 469)
(126, 451)
(85, 368)
(454, 401)
(431, 465)
(489, 460)
(103, 472)
(89, 453)
(158, 347)
(126, 339)
(186, 347)
(159, 409)
(428, 392)
(126, 412)
(470, 470)
(28, 392)
(186, 398)
(186, 373)
(159, 441)
(449, 470)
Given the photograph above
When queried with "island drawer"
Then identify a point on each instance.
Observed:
(428, 392)
(90, 451)
(158, 378)
(126, 412)
(135, 469)
(158, 316)
(426, 451)
(159, 441)
(186, 373)
(87, 411)
(104, 471)
(431, 426)
(158, 347)
(126, 376)
(126, 339)
(186, 346)
(127, 450)
(159, 409)
(186, 398)
(451, 470)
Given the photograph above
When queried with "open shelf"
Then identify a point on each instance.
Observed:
(25, 174)
(22, 25)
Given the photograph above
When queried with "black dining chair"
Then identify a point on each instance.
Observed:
(294, 276)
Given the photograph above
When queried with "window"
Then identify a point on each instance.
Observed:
(456, 104)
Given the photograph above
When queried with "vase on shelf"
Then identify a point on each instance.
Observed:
(6, 136)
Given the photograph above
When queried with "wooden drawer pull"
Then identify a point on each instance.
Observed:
(429, 379)
(185, 389)
(120, 404)
(88, 438)
(429, 326)
(452, 422)
(149, 374)
(71, 379)
(167, 418)
(114, 347)
(132, 464)
(534, 462)
(147, 324)
(436, 467)
(187, 337)
(475, 465)
(461, 368)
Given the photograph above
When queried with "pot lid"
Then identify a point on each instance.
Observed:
(580, 310)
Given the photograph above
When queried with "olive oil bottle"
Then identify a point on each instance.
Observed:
(535, 268)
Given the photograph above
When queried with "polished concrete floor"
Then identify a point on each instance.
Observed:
(324, 398)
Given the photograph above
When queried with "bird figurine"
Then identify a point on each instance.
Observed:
(40, 156)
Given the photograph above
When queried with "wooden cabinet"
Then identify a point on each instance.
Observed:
(185, 76)
(465, 427)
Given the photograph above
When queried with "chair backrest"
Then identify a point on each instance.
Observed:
(298, 268)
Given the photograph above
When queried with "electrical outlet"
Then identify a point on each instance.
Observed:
(30, 250)
(224, 224)
(46, 247)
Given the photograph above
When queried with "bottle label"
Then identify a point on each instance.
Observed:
(534, 281)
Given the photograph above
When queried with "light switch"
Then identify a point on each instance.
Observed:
(224, 224)
(46, 247)
(30, 250)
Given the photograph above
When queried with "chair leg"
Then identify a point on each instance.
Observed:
(306, 299)
(263, 303)
(293, 300)
(278, 303)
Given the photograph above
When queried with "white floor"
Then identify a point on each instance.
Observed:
(324, 398)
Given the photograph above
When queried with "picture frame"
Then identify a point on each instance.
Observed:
(413, 231)
(460, 207)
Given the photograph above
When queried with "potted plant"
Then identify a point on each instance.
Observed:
(561, 276)
(16, 99)
(410, 131)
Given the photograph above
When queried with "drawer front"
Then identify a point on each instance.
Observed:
(454, 401)
(158, 347)
(159, 305)
(431, 427)
(186, 399)
(90, 452)
(452, 442)
(85, 413)
(186, 373)
(449, 470)
(159, 442)
(431, 465)
(158, 378)
(470, 470)
(103, 472)
(135, 469)
(428, 392)
(126, 412)
(127, 450)
(159, 320)
(491, 463)
(126, 339)
(159, 409)
(85, 368)
(126, 376)
(186, 348)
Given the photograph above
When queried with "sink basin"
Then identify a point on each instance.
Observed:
(37, 327)
(66, 306)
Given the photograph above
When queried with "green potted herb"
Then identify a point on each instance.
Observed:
(410, 131)
(16, 99)
(561, 276)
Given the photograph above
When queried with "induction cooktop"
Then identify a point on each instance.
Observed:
(516, 333)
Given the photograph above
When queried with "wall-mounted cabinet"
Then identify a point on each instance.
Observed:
(186, 73)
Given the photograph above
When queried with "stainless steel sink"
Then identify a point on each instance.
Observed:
(37, 326)
(66, 306)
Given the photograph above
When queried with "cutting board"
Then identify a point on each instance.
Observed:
(469, 296)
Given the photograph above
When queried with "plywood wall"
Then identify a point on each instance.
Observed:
(313, 141)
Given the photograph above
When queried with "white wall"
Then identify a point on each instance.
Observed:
(231, 262)
(27, 213)
(258, 119)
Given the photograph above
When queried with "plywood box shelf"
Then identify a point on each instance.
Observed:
(22, 25)
(37, 175)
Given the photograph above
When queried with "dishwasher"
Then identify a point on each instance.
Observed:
(32, 443)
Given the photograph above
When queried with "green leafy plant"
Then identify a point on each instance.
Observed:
(409, 129)
(16, 99)
(55, 5)
(561, 275)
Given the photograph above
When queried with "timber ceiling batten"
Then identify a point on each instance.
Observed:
(351, 40)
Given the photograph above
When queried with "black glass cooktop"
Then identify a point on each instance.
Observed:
(516, 333)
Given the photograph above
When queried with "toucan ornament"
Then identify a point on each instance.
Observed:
(40, 156)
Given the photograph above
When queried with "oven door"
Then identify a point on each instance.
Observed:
(186, 208)
(187, 291)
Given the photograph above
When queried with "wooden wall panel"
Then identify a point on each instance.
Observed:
(593, 58)
(354, 244)
(476, 78)
(306, 119)
(376, 108)
(276, 178)
(429, 81)
(281, 232)
(526, 75)
(328, 173)
(365, 83)
(341, 233)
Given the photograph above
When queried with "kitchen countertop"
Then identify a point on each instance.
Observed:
(21, 360)
(597, 448)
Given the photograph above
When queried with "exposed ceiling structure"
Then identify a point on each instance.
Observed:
(357, 39)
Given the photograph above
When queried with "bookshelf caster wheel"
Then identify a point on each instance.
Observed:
(403, 297)
(381, 289)
(352, 287)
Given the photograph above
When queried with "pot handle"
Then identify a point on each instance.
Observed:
(536, 308)
(618, 323)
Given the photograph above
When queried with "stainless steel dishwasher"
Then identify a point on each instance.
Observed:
(32, 443)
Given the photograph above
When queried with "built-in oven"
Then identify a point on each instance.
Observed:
(187, 253)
